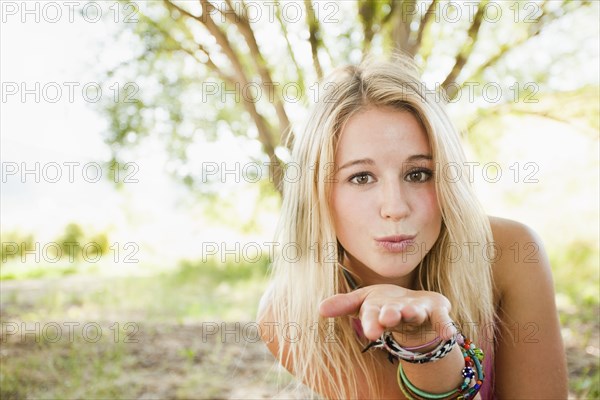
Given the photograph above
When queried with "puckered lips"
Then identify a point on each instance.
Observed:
(396, 243)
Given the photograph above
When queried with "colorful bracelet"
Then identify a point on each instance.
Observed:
(415, 357)
(422, 346)
(395, 351)
(473, 359)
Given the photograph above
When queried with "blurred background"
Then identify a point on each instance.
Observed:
(143, 144)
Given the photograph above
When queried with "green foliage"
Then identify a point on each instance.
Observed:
(66, 255)
(43, 271)
(258, 200)
(576, 275)
(177, 61)
(14, 244)
(575, 269)
(71, 241)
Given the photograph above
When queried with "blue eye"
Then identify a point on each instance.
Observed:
(362, 178)
(418, 175)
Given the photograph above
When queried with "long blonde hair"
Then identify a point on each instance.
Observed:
(324, 353)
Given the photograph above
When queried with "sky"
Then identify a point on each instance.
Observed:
(61, 130)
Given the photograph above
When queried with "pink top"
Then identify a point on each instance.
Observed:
(487, 389)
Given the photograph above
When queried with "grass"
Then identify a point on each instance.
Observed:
(164, 312)
(18, 271)
(63, 369)
(576, 278)
(171, 358)
(192, 292)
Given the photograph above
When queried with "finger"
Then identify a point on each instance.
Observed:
(442, 323)
(342, 304)
(390, 315)
(413, 314)
(369, 318)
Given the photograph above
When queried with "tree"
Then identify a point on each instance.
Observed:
(192, 50)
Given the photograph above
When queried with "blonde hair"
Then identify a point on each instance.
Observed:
(324, 353)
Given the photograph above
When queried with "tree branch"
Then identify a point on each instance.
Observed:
(465, 52)
(423, 25)
(540, 23)
(392, 4)
(314, 37)
(507, 108)
(366, 14)
(243, 25)
(401, 30)
(264, 131)
(179, 47)
(299, 71)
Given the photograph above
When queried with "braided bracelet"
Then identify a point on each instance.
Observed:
(422, 346)
(387, 342)
(473, 358)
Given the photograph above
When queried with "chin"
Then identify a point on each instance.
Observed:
(395, 269)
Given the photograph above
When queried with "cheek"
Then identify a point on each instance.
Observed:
(341, 206)
(429, 208)
(348, 210)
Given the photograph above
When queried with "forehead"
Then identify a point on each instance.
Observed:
(381, 132)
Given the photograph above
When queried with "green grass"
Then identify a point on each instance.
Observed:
(63, 369)
(192, 292)
(176, 302)
(16, 271)
(576, 278)
(111, 368)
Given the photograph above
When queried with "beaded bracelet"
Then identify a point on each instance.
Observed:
(473, 358)
(387, 342)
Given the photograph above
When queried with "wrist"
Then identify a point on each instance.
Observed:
(436, 377)
(422, 342)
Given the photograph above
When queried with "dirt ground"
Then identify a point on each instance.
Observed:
(215, 360)
(160, 362)
(156, 361)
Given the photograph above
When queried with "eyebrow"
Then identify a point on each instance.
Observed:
(369, 161)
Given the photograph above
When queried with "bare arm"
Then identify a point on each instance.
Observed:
(530, 360)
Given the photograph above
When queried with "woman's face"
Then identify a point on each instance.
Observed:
(383, 200)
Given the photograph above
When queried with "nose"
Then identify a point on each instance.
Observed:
(394, 204)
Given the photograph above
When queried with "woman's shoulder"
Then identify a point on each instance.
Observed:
(520, 257)
(514, 242)
(266, 320)
(507, 231)
(269, 326)
(527, 315)
(264, 309)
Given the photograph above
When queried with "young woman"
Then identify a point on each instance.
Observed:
(385, 247)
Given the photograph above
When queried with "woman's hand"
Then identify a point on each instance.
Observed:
(391, 307)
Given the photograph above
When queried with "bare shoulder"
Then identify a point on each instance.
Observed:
(529, 347)
(504, 224)
(265, 318)
(505, 230)
(264, 305)
(268, 325)
(520, 254)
